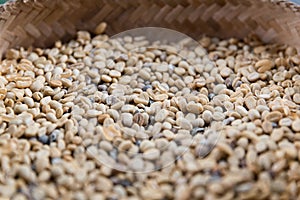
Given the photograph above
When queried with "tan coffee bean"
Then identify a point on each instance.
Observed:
(23, 84)
(19, 108)
(144, 74)
(250, 102)
(183, 123)
(260, 146)
(139, 119)
(225, 72)
(277, 135)
(161, 115)
(110, 132)
(242, 110)
(267, 126)
(3, 92)
(253, 114)
(296, 98)
(38, 84)
(296, 125)
(254, 76)
(160, 97)
(55, 83)
(162, 68)
(264, 65)
(139, 100)
(195, 108)
(179, 70)
(114, 74)
(151, 154)
(106, 78)
(125, 145)
(127, 119)
(285, 122)
(273, 116)
(146, 145)
(100, 28)
(278, 77)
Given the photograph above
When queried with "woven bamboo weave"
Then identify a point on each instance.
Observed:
(41, 22)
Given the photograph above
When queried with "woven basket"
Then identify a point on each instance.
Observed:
(41, 22)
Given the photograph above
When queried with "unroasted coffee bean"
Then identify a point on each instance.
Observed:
(91, 112)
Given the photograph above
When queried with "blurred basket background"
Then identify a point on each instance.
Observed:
(41, 22)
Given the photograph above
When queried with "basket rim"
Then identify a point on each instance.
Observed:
(270, 28)
(11, 4)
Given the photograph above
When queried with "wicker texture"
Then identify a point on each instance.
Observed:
(41, 22)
